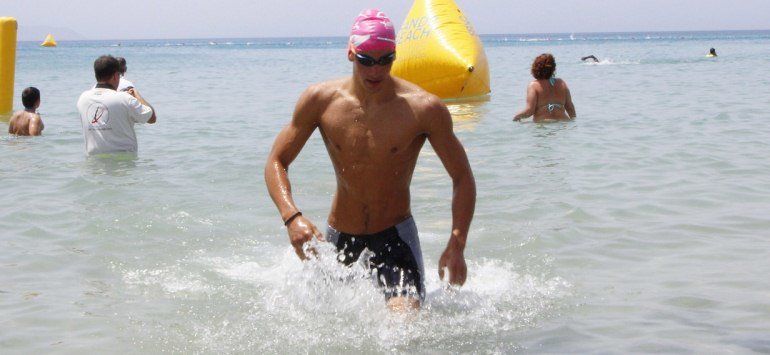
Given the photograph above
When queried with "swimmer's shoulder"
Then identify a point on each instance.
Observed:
(35, 117)
(317, 98)
(21, 117)
(562, 85)
(15, 117)
(20, 121)
(324, 93)
(427, 106)
(406, 87)
(415, 95)
(35, 126)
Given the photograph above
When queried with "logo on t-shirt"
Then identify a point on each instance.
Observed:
(98, 116)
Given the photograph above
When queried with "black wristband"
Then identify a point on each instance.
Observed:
(288, 220)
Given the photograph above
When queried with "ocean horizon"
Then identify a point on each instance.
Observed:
(489, 37)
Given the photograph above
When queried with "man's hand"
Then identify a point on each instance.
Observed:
(131, 92)
(453, 260)
(301, 231)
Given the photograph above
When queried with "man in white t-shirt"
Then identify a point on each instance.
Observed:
(108, 116)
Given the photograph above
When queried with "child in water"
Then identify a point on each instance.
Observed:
(27, 122)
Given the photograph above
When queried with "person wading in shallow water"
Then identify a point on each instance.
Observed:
(27, 122)
(548, 98)
(108, 116)
(374, 126)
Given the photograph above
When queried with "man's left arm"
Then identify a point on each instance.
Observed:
(452, 154)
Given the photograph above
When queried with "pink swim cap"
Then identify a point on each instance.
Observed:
(372, 31)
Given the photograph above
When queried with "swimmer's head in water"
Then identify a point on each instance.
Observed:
(544, 66)
(30, 97)
(372, 31)
(713, 51)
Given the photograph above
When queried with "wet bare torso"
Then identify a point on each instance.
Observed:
(547, 94)
(19, 123)
(374, 148)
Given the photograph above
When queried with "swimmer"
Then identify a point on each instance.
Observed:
(27, 122)
(374, 126)
(712, 53)
(548, 98)
(592, 57)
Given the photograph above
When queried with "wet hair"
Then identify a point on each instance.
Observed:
(544, 66)
(123, 67)
(713, 51)
(105, 67)
(29, 97)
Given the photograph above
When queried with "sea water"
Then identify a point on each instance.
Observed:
(641, 226)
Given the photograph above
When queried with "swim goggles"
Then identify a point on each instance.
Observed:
(368, 61)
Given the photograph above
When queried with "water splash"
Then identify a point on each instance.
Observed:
(610, 61)
(279, 304)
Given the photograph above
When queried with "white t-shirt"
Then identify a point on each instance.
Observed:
(108, 119)
(124, 84)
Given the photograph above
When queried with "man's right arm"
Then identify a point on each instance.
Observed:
(135, 93)
(287, 146)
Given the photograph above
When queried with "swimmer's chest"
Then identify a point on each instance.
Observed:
(383, 134)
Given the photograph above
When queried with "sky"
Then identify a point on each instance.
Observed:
(167, 19)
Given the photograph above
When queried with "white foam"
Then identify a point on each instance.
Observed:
(168, 280)
(610, 61)
(322, 303)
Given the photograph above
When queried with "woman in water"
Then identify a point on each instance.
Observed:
(548, 98)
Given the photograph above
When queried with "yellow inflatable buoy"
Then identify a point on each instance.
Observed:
(49, 41)
(438, 49)
(8, 29)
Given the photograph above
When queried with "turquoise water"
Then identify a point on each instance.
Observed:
(642, 226)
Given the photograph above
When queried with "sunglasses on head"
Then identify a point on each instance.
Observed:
(368, 61)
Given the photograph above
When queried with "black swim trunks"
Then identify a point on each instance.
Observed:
(394, 257)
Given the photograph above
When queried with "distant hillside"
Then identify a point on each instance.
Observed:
(38, 33)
